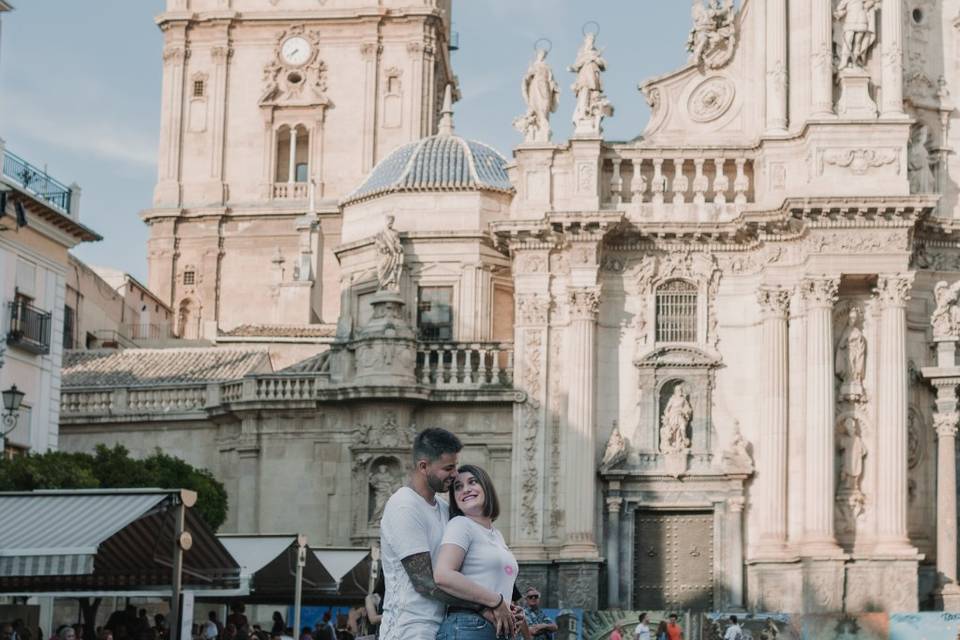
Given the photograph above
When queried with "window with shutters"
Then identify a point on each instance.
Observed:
(677, 311)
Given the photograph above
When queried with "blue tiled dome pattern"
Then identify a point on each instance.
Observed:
(441, 163)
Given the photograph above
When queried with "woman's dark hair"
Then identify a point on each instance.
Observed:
(277, 616)
(491, 504)
(662, 627)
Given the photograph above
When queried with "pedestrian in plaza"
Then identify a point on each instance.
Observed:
(541, 626)
(237, 616)
(674, 631)
(661, 632)
(6, 631)
(211, 628)
(617, 633)
(642, 632)
(474, 561)
(733, 632)
(278, 626)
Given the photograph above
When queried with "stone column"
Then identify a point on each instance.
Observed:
(579, 448)
(821, 58)
(774, 411)
(945, 422)
(735, 549)
(893, 293)
(891, 17)
(820, 295)
(175, 54)
(777, 75)
(614, 502)
(292, 166)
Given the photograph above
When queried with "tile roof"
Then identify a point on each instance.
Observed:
(140, 367)
(282, 331)
(441, 162)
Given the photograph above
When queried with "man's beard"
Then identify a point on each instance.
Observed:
(437, 484)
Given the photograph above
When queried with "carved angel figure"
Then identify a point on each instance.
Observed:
(712, 38)
(919, 162)
(616, 451)
(390, 252)
(592, 105)
(946, 318)
(541, 95)
(675, 421)
(859, 30)
(853, 451)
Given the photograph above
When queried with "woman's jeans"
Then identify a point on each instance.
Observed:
(460, 625)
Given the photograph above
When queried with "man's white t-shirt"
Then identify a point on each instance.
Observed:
(488, 560)
(210, 630)
(734, 632)
(410, 525)
(642, 632)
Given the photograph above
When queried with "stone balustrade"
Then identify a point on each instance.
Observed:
(648, 181)
(460, 366)
(464, 365)
(291, 190)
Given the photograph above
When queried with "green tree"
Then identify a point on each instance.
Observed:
(113, 468)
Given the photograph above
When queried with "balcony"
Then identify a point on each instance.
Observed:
(29, 328)
(291, 190)
(465, 365)
(36, 181)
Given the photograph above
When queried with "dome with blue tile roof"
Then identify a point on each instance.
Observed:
(443, 162)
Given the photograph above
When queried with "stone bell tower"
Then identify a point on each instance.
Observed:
(273, 110)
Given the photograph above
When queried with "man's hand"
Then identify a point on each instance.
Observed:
(520, 622)
(503, 619)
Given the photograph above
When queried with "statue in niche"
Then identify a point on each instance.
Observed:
(853, 451)
(541, 95)
(712, 38)
(851, 357)
(592, 105)
(390, 262)
(737, 456)
(919, 162)
(675, 422)
(616, 451)
(859, 30)
(946, 318)
(382, 485)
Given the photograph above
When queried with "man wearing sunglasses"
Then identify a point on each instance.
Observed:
(541, 627)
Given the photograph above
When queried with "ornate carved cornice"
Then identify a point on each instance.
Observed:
(822, 291)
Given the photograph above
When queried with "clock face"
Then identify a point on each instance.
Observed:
(295, 50)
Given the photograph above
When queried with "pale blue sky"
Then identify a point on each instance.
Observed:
(80, 89)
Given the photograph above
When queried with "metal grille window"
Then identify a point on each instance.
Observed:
(198, 88)
(677, 312)
(435, 313)
(69, 322)
(189, 277)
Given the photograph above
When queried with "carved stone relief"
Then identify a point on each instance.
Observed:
(385, 478)
(532, 309)
(713, 37)
(530, 472)
(296, 78)
(711, 99)
(858, 161)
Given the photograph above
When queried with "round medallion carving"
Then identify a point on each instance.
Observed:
(710, 99)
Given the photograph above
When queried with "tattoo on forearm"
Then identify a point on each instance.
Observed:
(420, 569)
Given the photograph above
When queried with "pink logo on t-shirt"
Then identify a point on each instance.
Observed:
(509, 570)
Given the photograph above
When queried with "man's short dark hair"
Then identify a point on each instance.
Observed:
(432, 443)
(643, 616)
(733, 619)
(673, 615)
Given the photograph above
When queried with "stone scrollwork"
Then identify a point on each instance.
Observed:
(713, 37)
(711, 99)
(302, 83)
(915, 438)
(533, 309)
(584, 302)
(390, 435)
(946, 317)
(774, 300)
(859, 161)
(945, 423)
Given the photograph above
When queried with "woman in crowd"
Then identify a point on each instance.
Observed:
(474, 563)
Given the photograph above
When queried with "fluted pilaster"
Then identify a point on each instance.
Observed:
(777, 74)
(579, 447)
(821, 57)
(893, 293)
(774, 410)
(891, 15)
(614, 503)
(820, 295)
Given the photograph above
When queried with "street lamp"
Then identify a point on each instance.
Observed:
(12, 398)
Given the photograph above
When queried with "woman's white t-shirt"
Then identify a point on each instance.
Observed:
(488, 560)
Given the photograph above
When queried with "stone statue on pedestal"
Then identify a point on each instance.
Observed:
(592, 105)
(851, 357)
(713, 37)
(853, 451)
(616, 451)
(946, 317)
(675, 422)
(919, 162)
(390, 262)
(859, 22)
(382, 485)
(541, 95)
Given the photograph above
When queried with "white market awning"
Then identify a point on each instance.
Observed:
(255, 552)
(340, 561)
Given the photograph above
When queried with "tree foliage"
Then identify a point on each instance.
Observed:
(113, 468)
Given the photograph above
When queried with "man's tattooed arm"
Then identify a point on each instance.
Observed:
(420, 569)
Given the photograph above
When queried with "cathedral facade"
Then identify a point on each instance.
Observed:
(710, 368)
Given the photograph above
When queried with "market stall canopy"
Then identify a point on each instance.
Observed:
(269, 565)
(99, 540)
(350, 567)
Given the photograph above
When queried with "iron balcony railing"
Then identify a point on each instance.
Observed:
(36, 181)
(29, 327)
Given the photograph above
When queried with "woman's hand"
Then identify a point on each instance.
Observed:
(503, 619)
